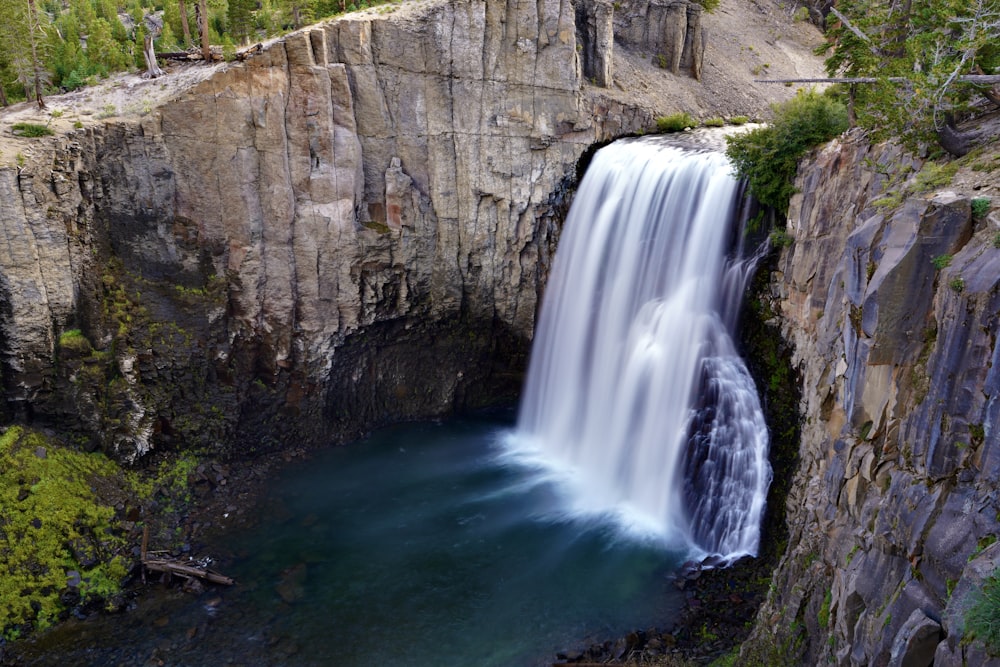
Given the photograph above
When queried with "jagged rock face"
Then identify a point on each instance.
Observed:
(895, 499)
(670, 30)
(233, 249)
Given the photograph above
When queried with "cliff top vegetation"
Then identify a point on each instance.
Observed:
(921, 55)
(52, 46)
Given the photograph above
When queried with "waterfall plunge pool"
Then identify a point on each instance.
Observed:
(422, 545)
(431, 544)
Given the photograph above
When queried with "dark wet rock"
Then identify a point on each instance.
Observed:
(291, 586)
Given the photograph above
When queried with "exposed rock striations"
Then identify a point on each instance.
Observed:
(895, 501)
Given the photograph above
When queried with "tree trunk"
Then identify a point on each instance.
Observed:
(36, 61)
(953, 141)
(3, 97)
(184, 23)
(152, 69)
(206, 49)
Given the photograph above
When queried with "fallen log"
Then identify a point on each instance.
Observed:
(965, 78)
(182, 568)
(186, 55)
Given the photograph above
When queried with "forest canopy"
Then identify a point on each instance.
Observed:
(49, 46)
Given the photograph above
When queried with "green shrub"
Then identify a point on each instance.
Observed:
(982, 621)
(780, 238)
(709, 5)
(934, 175)
(714, 122)
(980, 207)
(957, 285)
(941, 262)
(31, 130)
(739, 120)
(767, 157)
(677, 122)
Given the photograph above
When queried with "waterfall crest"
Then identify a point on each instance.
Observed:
(635, 391)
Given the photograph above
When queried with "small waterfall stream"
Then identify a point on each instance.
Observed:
(635, 392)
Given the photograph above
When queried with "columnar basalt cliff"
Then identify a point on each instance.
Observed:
(361, 173)
(895, 504)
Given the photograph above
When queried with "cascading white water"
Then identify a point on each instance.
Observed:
(635, 391)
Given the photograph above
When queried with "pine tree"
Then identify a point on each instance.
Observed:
(928, 44)
(240, 15)
(103, 52)
(167, 40)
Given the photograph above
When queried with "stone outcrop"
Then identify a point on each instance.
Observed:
(894, 505)
(669, 30)
(350, 227)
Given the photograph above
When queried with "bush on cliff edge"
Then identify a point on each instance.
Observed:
(982, 621)
(767, 157)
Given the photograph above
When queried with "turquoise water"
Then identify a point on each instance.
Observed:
(419, 546)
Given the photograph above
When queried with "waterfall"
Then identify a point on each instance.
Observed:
(635, 392)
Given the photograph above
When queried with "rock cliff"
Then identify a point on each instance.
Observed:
(351, 226)
(890, 295)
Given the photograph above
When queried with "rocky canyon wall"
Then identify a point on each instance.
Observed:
(351, 226)
(894, 511)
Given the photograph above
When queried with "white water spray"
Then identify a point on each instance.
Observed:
(635, 391)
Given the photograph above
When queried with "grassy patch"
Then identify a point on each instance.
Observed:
(982, 621)
(941, 262)
(31, 130)
(677, 122)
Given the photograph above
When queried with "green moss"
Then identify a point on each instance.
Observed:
(53, 521)
(727, 660)
(74, 341)
(824, 611)
(850, 554)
